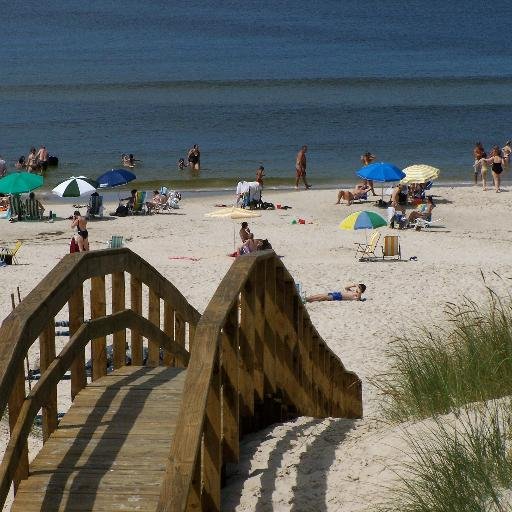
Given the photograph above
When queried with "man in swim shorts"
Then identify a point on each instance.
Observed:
(352, 291)
(300, 167)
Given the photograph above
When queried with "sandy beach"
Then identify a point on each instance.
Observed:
(306, 464)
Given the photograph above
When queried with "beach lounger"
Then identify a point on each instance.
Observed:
(95, 207)
(366, 251)
(33, 209)
(8, 255)
(391, 247)
(423, 223)
(115, 242)
(16, 207)
(139, 205)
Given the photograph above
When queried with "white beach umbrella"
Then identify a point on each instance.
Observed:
(75, 187)
(233, 213)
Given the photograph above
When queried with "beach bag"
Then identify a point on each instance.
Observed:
(121, 211)
(73, 246)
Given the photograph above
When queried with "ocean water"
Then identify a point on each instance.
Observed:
(250, 82)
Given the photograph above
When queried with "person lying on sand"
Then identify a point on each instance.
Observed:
(350, 196)
(352, 291)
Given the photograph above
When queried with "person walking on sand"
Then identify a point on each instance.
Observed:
(300, 167)
(352, 291)
(82, 235)
(496, 161)
(483, 165)
(367, 159)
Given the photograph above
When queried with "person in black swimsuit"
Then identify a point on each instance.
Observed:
(82, 235)
(194, 158)
(496, 161)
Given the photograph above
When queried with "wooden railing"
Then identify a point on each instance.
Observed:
(257, 359)
(35, 318)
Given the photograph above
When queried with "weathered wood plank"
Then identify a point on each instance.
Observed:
(47, 356)
(169, 360)
(230, 385)
(247, 340)
(154, 317)
(136, 305)
(98, 345)
(118, 304)
(76, 319)
(212, 453)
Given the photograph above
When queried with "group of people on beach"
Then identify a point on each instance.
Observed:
(193, 159)
(35, 162)
(498, 160)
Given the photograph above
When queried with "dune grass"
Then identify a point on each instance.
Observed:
(439, 370)
(461, 468)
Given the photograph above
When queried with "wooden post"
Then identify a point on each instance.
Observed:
(315, 377)
(154, 317)
(308, 367)
(212, 456)
(179, 325)
(191, 335)
(47, 355)
(99, 345)
(259, 330)
(269, 342)
(194, 493)
(136, 306)
(246, 375)
(118, 304)
(76, 319)
(278, 322)
(230, 429)
(16, 399)
(169, 359)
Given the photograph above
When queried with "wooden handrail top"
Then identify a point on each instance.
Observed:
(60, 365)
(20, 329)
(187, 438)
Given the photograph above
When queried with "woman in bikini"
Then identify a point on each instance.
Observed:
(82, 236)
(496, 161)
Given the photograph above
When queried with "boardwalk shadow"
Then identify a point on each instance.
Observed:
(321, 443)
(70, 489)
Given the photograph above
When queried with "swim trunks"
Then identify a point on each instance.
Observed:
(300, 172)
(335, 295)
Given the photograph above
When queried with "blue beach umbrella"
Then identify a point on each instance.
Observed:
(381, 172)
(115, 178)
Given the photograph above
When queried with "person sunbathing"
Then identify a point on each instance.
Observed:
(350, 196)
(424, 213)
(352, 291)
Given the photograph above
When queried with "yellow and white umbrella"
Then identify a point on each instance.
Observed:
(420, 174)
(233, 213)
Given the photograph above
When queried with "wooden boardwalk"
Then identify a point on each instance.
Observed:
(110, 450)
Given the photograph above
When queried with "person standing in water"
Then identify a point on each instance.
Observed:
(300, 167)
(42, 158)
(194, 158)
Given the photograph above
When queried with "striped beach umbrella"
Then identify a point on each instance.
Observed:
(420, 174)
(75, 187)
(363, 220)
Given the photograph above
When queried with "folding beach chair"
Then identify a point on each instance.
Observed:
(8, 256)
(16, 207)
(115, 242)
(139, 205)
(365, 251)
(391, 247)
(95, 207)
(33, 210)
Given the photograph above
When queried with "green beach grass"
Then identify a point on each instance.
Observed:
(463, 463)
(439, 370)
